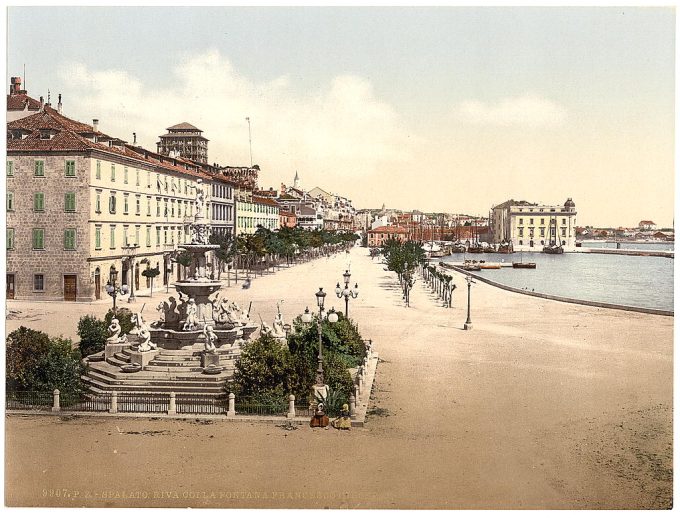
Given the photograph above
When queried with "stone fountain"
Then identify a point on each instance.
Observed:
(192, 347)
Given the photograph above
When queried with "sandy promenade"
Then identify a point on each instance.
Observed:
(542, 405)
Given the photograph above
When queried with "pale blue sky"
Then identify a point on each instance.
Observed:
(605, 74)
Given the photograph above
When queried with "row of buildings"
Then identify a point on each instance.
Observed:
(528, 226)
(82, 204)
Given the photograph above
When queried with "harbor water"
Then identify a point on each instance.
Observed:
(640, 281)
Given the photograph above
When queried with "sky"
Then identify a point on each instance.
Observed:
(439, 109)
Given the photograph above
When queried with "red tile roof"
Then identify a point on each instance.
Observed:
(18, 102)
(265, 201)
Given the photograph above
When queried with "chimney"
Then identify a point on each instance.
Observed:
(95, 125)
(15, 86)
(59, 104)
(134, 139)
(42, 103)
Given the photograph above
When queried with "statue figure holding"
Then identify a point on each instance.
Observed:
(115, 331)
(144, 335)
(234, 315)
(210, 337)
(221, 311)
(191, 321)
(265, 330)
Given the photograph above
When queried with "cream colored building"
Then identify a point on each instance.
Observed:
(531, 226)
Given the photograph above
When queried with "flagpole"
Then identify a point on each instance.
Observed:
(250, 142)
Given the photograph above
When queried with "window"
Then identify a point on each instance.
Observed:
(125, 174)
(38, 282)
(542, 232)
(112, 203)
(564, 232)
(158, 236)
(138, 206)
(158, 207)
(70, 202)
(10, 168)
(521, 232)
(531, 221)
(10, 201)
(137, 235)
(158, 182)
(148, 180)
(564, 221)
(98, 174)
(10, 239)
(125, 235)
(98, 237)
(542, 221)
(39, 201)
(165, 179)
(521, 221)
(39, 168)
(148, 205)
(165, 235)
(172, 208)
(113, 236)
(38, 239)
(70, 168)
(69, 239)
(148, 235)
(98, 203)
(113, 172)
(136, 176)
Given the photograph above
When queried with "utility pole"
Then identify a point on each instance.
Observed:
(250, 142)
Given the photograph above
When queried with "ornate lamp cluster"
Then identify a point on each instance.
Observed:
(113, 289)
(347, 292)
(332, 317)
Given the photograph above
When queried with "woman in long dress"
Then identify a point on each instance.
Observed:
(344, 422)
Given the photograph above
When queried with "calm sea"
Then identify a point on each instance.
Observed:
(619, 279)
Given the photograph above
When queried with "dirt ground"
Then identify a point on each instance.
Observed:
(541, 405)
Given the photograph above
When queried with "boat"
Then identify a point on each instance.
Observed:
(490, 266)
(522, 264)
(505, 247)
(553, 247)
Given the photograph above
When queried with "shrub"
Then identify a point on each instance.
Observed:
(93, 334)
(124, 317)
(24, 349)
(265, 366)
(36, 362)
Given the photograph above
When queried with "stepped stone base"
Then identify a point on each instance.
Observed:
(178, 371)
(209, 358)
(142, 358)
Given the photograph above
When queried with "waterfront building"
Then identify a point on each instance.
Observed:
(81, 204)
(378, 236)
(647, 225)
(531, 226)
(184, 140)
(287, 219)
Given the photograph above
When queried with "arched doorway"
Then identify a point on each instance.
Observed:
(97, 284)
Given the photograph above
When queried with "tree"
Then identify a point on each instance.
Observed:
(225, 253)
(124, 317)
(36, 362)
(24, 348)
(151, 274)
(93, 333)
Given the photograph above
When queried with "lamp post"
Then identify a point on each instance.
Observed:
(131, 252)
(347, 292)
(468, 322)
(320, 386)
(113, 289)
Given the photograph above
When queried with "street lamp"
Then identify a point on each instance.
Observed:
(131, 252)
(468, 322)
(347, 292)
(113, 290)
(332, 317)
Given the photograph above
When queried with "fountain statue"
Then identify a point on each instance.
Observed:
(115, 330)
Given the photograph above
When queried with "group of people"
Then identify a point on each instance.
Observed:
(321, 420)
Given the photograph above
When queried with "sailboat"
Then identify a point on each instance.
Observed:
(554, 247)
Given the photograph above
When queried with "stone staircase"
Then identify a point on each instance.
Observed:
(177, 371)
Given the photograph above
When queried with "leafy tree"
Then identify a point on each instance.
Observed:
(264, 367)
(36, 362)
(23, 348)
(92, 333)
(225, 253)
(151, 274)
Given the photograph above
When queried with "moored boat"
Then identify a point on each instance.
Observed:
(524, 265)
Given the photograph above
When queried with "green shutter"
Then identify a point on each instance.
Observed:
(10, 168)
(97, 237)
(99, 169)
(125, 175)
(38, 238)
(113, 172)
(39, 201)
(39, 168)
(70, 202)
(69, 239)
(70, 168)
(10, 239)
(10, 201)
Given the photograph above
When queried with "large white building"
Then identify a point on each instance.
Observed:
(531, 226)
